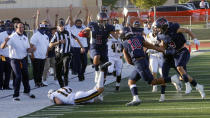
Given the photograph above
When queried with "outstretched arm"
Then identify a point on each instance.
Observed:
(150, 46)
(86, 15)
(37, 18)
(71, 22)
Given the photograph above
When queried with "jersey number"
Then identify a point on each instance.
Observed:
(68, 91)
(98, 39)
(135, 44)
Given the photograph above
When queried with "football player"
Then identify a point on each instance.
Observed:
(155, 57)
(66, 95)
(98, 33)
(177, 55)
(134, 55)
(115, 55)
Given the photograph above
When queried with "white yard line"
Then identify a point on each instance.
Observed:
(143, 109)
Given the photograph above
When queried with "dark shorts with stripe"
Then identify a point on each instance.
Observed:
(102, 51)
(141, 71)
(182, 57)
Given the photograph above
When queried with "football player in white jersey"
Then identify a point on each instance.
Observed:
(66, 95)
(155, 59)
(115, 55)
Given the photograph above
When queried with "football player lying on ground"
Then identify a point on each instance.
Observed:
(66, 95)
(134, 55)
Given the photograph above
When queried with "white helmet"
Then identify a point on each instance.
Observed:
(50, 93)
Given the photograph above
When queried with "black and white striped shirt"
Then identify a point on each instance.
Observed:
(62, 48)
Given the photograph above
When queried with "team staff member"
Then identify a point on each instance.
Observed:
(18, 49)
(40, 41)
(5, 67)
(79, 60)
(61, 40)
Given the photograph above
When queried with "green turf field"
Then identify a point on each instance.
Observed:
(177, 105)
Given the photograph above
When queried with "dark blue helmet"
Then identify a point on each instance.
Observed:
(162, 24)
(102, 16)
(136, 24)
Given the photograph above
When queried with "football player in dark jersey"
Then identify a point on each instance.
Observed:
(177, 55)
(98, 33)
(135, 55)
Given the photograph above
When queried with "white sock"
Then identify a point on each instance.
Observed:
(100, 83)
(117, 84)
(136, 98)
(96, 76)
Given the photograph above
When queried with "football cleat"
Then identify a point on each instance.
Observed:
(200, 89)
(134, 103)
(99, 98)
(104, 66)
(176, 82)
(154, 89)
(188, 88)
(162, 98)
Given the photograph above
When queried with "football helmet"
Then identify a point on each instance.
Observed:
(102, 18)
(161, 24)
(136, 24)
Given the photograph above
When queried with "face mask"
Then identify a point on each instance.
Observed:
(79, 26)
(42, 31)
(9, 30)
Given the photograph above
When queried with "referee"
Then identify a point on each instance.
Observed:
(61, 41)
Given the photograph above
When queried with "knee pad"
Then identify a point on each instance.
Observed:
(185, 78)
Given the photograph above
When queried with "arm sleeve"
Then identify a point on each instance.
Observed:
(54, 38)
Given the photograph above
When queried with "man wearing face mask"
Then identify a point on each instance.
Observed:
(61, 42)
(79, 59)
(2, 26)
(40, 41)
(5, 67)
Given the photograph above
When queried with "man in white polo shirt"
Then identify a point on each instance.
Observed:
(79, 59)
(40, 41)
(18, 49)
(5, 68)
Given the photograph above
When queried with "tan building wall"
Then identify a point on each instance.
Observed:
(26, 9)
(171, 2)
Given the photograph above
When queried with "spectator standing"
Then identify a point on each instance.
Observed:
(202, 4)
(5, 67)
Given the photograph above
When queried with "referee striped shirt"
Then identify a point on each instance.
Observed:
(62, 48)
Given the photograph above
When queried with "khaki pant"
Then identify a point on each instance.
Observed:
(50, 62)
